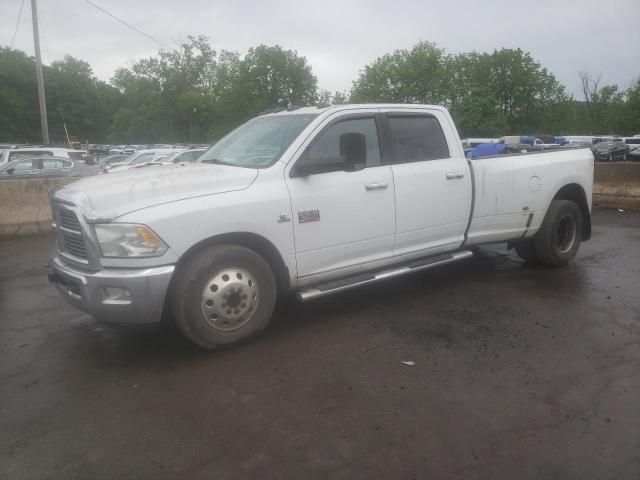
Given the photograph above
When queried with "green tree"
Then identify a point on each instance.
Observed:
(478, 115)
(19, 117)
(631, 115)
(274, 77)
(195, 94)
(404, 76)
(604, 104)
(76, 98)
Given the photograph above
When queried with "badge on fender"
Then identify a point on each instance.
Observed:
(306, 216)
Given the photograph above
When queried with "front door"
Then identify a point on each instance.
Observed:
(342, 198)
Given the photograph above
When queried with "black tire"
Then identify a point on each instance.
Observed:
(193, 291)
(558, 240)
(526, 251)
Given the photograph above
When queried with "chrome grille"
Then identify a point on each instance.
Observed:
(74, 244)
(70, 233)
(69, 220)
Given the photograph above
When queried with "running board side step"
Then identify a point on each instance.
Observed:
(367, 278)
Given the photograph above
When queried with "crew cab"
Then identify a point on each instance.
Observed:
(310, 201)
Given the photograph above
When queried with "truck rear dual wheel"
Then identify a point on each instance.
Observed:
(557, 241)
(223, 294)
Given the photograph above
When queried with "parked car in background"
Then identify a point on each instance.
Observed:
(547, 139)
(99, 149)
(520, 140)
(610, 151)
(468, 143)
(7, 156)
(633, 148)
(187, 156)
(46, 167)
(575, 145)
(140, 158)
(128, 149)
(578, 145)
(111, 160)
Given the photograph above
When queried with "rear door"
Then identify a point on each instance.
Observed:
(432, 181)
(343, 216)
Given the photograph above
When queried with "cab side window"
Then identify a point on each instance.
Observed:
(348, 145)
(25, 166)
(54, 164)
(416, 138)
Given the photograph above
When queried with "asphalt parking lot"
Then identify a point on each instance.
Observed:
(520, 372)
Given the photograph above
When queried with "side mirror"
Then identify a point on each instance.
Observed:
(353, 151)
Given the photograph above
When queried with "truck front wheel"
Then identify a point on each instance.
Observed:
(559, 237)
(223, 294)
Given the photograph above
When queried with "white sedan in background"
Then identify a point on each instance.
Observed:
(13, 154)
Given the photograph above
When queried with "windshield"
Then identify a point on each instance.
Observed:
(259, 142)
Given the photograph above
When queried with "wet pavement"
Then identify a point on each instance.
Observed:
(520, 372)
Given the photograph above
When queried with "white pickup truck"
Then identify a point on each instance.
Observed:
(312, 201)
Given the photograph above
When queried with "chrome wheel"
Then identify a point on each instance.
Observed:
(229, 299)
(565, 235)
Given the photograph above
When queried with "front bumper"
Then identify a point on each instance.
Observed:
(90, 291)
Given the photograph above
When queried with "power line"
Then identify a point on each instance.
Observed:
(15, 32)
(127, 24)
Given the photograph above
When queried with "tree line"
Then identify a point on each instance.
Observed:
(197, 94)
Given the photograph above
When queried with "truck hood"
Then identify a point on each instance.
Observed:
(106, 197)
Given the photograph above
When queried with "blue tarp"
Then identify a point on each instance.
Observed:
(486, 150)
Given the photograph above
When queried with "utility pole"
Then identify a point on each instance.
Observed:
(41, 97)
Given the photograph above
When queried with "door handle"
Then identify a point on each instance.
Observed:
(454, 175)
(376, 186)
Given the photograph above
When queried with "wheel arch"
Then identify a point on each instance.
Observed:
(259, 244)
(575, 193)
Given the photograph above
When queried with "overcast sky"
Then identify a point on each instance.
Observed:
(340, 37)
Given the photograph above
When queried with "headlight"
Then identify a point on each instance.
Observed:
(128, 240)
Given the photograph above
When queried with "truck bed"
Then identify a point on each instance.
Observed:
(512, 192)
